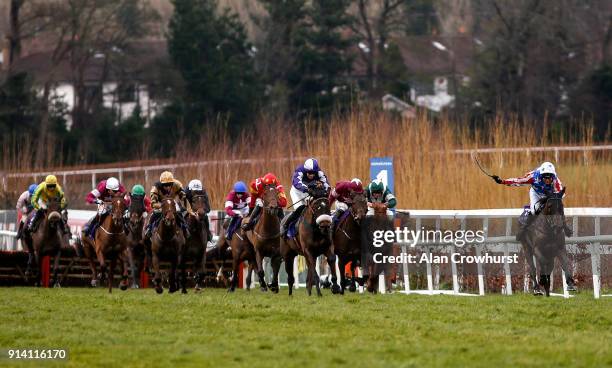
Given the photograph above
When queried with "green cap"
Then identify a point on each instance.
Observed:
(377, 186)
(138, 189)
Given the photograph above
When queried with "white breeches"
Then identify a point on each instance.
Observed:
(341, 206)
(534, 197)
(371, 212)
(297, 196)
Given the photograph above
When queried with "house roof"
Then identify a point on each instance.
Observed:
(422, 57)
(143, 61)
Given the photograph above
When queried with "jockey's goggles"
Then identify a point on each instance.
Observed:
(51, 186)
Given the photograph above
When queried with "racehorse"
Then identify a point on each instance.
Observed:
(313, 239)
(347, 239)
(265, 238)
(242, 250)
(48, 239)
(136, 247)
(545, 238)
(109, 244)
(379, 222)
(195, 246)
(168, 242)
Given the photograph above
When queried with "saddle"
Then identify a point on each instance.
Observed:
(292, 228)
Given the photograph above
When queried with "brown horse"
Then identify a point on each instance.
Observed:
(48, 239)
(265, 238)
(168, 242)
(134, 256)
(242, 250)
(347, 239)
(195, 246)
(380, 221)
(109, 244)
(313, 240)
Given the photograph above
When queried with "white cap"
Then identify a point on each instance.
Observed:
(195, 184)
(356, 181)
(309, 164)
(112, 183)
(548, 168)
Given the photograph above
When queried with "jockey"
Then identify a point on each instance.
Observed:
(236, 206)
(377, 192)
(256, 189)
(195, 187)
(543, 180)
(44, 192)
(167, 186)
(25, 206)
(304, 177)
(138, 193)
(343, 193)
(103, 192)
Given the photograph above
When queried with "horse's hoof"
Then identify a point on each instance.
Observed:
(57, 285)
(352, 288)
(538, 293)
(123, 287)
(172, 290)
(135, 286)
(571, 287)
(230, 290)
(159, 290)
(197, 289)
(183, 291)
(263, 289)
(274, 289)
(336, 289)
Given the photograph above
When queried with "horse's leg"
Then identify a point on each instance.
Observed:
(130, 252)
(234, 281)
(276, 263)
(38, 260)
(313, 277)
(289, 270)
(342, 265)
(55, 282)
(111, 273)
(172, 276)
(201, 269)
(183, 265)
(352, 286)
(157, 278)
(331, 262)
(250, 275)
(532, 270)
(260, 271)
(124, 270)
(571, 285)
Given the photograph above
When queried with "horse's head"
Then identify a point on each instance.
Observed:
(320, 209)
(54, 211)
(270, 198)
(117, 209)
(359, 206)
(553, 209)
(136, 209)
(168, 208)
(380, 209)
(199, 205)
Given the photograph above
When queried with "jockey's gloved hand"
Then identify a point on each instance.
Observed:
(98, 201)
(497, 179)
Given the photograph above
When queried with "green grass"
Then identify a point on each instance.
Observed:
(142, 329)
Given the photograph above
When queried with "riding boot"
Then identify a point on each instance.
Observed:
(337, 215)
(524, 222)
(34, 222)
(252, 219)
(280, 214)
(291, 219)
(152, 222)
(19, 231)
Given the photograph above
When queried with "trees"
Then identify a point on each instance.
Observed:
(320, 78)
(212, 53)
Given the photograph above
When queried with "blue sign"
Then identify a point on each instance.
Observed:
(382, 168)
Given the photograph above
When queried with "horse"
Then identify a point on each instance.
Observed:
(168, 242)
(378, 222)
(545, 238)
(195, 245)
(109, 244)
(313, 239)
(242, 250)
(265, 238)
(48, 239)
(135, 241)
(347, 239)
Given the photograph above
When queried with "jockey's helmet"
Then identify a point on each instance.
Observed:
(112, 184)
(240, 187)
(138, 190)
(32, 188)
(195, 185)
(51, 182)
(356, 181)
(377, 186)
(269, 179)
(166, 177)
(547, 169)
